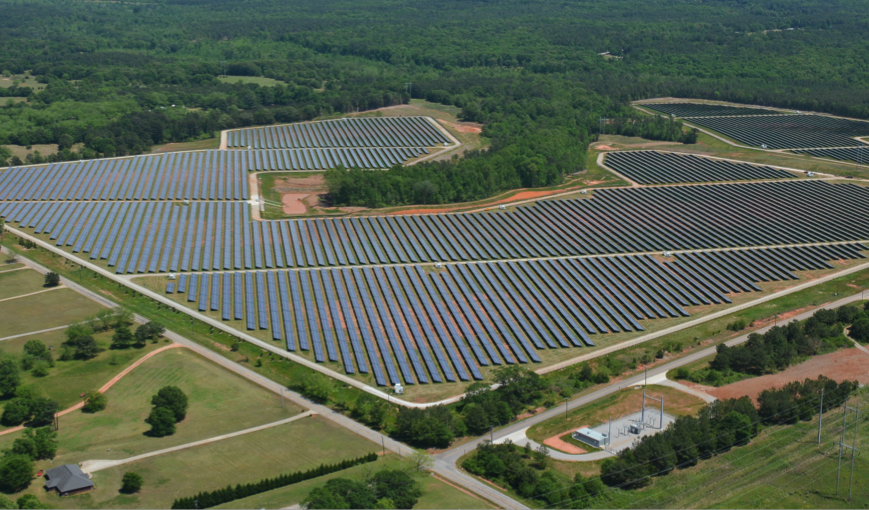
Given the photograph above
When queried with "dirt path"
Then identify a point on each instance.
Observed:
(91, 466)
(33, 293)
(559, 444)
(106, 386)
(851, 364)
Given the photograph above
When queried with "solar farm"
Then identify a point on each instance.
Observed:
(703, 110)
(788, 131)
(858, 155)
(343, 133)
(653, 167)
(406, 325)
(437, 298)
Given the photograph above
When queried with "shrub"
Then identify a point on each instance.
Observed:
(16, 472)
(172, 398)
(131, 482)
(52, 279)
(94, 401)
(682, 373)
(162, 421)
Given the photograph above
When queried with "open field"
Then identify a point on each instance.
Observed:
(436, 493)
(45, 310)
(17, 283)
(24, 80)
(198, 145)
(69, 379)
(781, 468)
(295, 446)
(259, 80)
(617, 405)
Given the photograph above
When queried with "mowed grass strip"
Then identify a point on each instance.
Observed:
(295, 446)
(17, 283)
(436, 493)
(220, 402)
(44, 311)
(67, 380)
(617, 405)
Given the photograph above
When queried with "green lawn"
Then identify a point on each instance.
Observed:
(9, 266)
(259, 80)
(16, 283)
(44, 311)
(436, 493)
(69, 379)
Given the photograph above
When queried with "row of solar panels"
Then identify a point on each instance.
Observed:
(403, 324)
(323, 159)
(348, 132)
(703, 110)
(856, 154)
(628, 220)
(788, 131)
(209, 175)
(653, 167)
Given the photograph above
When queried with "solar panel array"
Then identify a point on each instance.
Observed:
(788, 131)
(208, 175)
(347, 132)
(403, 324)
(855, 154)
(653, 167)
(627, 220)
(703, 110)
(324, 159)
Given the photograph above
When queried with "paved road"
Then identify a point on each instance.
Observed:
(449, 458)
(92, 466)
(490, 493)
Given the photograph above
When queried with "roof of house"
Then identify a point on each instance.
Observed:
(67, 478)
(587, 432)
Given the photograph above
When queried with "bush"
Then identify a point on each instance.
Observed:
(162, 421)
(172, 398)
(131, 482)
(94, 401)
(52, 279)
(682, 373)
(28, 501)
(16, 473)
(122, 338)
(860, 330)
(10, 379)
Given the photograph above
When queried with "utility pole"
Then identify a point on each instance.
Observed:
(821, 416)
(491, 434)
(565, 408)
(603, 125)
(383, 444)
(409, 87)
(842, 446)
(223, 67)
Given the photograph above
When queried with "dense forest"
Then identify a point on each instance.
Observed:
(117, 78)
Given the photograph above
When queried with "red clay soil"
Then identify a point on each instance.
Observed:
(293, 203)
(845, 364)
(604, 148)
(564, 446)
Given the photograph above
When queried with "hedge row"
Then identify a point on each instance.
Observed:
(230, 493)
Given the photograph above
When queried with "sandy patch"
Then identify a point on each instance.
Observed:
(530, 413)
(561, 445)
(604, 148)
(845, 364)
(293, 203)
(468, 127)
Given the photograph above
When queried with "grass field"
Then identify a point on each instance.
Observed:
(291, 447)
(43, 311)
(198, 145)
(69, 379)
(617, 405)
(436, 493)
(782, 468)
(16, 283)
(259, 80)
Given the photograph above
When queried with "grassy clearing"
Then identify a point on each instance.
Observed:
(21, 282)
(617, 405)
(198, 145)
(259, 80)
(43, 311)
(69, 379)
(24, 80)
(436, 493)
(9, 266)
(782, 468)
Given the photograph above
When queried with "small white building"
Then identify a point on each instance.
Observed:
(590, 437)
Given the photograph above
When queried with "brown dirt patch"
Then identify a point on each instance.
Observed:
(561, 445)
(293, 203)
(530, 413)
(465, 127)
(604, 148)
(295, 184)
(845, 364)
